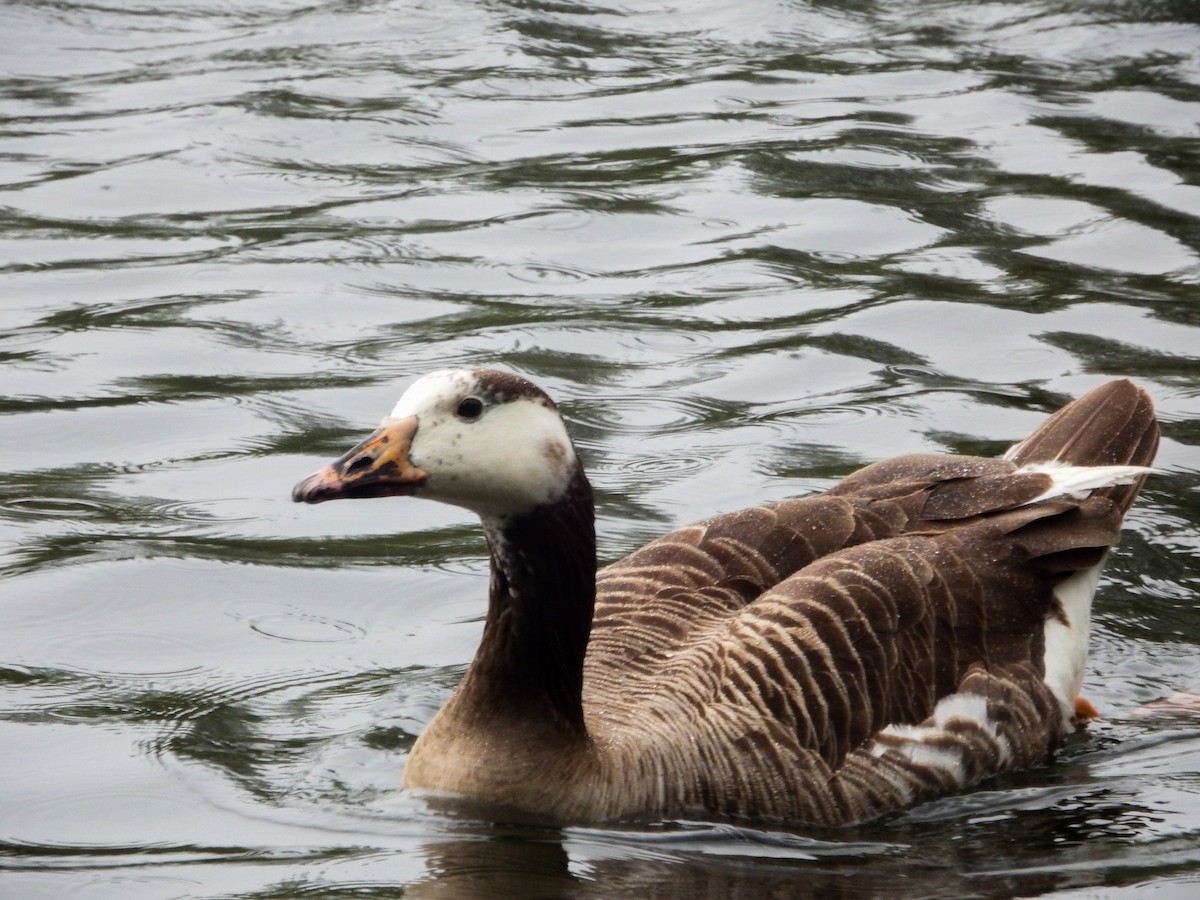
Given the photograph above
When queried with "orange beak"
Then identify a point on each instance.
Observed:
(378, 467)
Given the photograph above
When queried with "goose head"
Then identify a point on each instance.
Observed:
(488, 441)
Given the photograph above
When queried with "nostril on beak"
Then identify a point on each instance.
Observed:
(358, 464)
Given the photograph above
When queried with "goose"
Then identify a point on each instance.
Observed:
(815, 661)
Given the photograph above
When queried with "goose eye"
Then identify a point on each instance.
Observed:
(470, 408)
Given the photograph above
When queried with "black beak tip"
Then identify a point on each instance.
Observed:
(306, 492)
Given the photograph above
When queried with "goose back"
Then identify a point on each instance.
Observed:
(850, 652)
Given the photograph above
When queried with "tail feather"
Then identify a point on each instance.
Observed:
(1112, 425)
(1100, 446)
(1080, 481)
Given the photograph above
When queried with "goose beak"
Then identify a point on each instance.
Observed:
(378, 467)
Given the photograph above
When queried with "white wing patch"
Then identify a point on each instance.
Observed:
(934, 746)
(1079, 481)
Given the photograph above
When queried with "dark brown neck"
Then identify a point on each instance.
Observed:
(543, 592)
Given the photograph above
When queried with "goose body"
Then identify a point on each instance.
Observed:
(821, 660)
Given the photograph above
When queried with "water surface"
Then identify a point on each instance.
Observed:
(748, 246)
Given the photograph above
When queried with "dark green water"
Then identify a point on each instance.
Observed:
(749, 246)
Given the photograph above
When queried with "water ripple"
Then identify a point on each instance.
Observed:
(545, 274)
(306, 628)
(667, 465)
(129, 654)
(632, 414)
(748, 246)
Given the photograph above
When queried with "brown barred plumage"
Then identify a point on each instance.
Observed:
(820, 660)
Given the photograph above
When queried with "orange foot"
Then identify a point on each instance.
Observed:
(1084, 713)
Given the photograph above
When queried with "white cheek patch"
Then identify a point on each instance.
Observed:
(514, 457)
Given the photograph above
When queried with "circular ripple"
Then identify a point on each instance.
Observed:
(126, 654)
(718, 224)
(72, 821)
(547, 274)
(667, 465)
(306, 628)
(642, 415)
(837, 415)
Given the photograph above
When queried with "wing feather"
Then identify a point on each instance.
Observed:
(874, 644)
